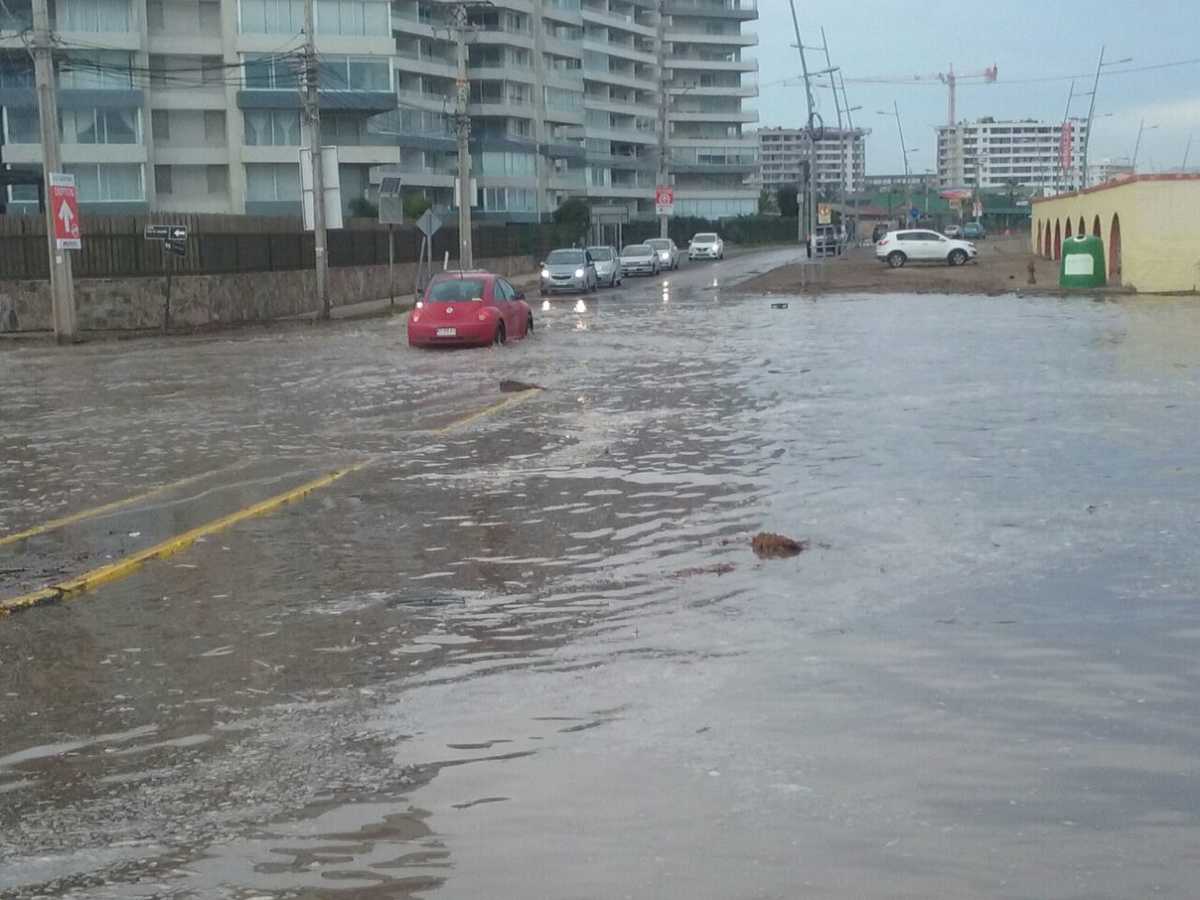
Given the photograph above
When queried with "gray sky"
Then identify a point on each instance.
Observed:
(1027, 39)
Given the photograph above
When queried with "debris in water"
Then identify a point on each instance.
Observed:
(717, 569)
(509, 386)
(779, 306)
(773, 546)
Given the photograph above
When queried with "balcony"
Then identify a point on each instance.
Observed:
(621, 23)
(691, 63)
(625, 51)
(741, 10)
(717, 115)
(734, 39)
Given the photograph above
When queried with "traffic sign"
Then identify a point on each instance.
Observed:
(64, 206)
(914, 213)
(179, 248)
(429, 223)
(824, 214)
(664, 200)
(157, 232)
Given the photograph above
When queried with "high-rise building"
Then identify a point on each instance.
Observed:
(1000, 154)
(195, 105)
(841, 158)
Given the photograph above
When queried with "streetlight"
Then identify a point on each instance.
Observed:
(1138, 144)
(1087, 138)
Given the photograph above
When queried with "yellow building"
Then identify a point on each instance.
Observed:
(1150, 225)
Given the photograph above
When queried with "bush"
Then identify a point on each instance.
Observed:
(415, 206)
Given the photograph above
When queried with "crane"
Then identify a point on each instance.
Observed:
(949, 78)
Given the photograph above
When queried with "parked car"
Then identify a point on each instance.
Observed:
(639, 259)
(899, 247)
(974, 231)
(706, 245)
(462, 309)
(953, 231)
(668, 253)
(568, 270)
(608, 265)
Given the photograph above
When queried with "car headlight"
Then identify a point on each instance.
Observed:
(545, 273)
(579, 273)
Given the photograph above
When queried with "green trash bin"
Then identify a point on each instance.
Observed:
(1082, 262)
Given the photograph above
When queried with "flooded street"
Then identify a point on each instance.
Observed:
(530, 653)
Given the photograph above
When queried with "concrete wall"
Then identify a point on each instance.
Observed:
(1157, 219)
(199, 301)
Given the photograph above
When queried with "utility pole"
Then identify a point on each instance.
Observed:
(1187, 151)
(62, 286)
(462, 127)
(812, 139)
(1087, 137)
(312, 110)
(834, 74)
(663, 108)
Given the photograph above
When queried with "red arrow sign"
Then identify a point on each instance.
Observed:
(64, 205)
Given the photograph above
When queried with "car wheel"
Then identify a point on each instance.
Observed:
(957, 257)
(500, 337)
(896, 259)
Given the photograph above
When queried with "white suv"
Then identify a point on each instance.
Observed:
(706, 245)
(898, 247)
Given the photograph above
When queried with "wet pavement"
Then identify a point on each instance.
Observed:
(535, 656)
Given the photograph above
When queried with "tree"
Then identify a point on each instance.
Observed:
(415, 206)
(575, 214)
(362, 208)
(789, 206)
(767, 204)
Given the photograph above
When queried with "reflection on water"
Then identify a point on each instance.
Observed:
(505, 645)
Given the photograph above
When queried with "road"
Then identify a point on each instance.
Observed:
(525, 650)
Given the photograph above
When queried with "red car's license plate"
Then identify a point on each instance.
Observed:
(447, 332)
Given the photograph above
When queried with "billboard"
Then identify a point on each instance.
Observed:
(1066, 143)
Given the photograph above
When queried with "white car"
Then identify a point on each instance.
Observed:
(668, 253)
(706, 245)
(898, 247)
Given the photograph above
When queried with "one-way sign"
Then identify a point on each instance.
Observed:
(166, 233)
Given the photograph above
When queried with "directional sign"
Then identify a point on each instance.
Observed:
(179, 248)
(429, 223)
(178, 232)
(64, 205)
(157, 232)
(664, 200)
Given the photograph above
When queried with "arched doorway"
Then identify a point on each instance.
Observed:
(1068, 234)
(1096, 230)
(1114, 251)
(1082, 227)
(1037, 247)
(1057, 239)
(1047, 250)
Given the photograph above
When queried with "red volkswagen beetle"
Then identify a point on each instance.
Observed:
(464, 309)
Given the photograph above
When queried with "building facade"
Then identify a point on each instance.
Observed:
(1108, 170)
(841, 158)
(195, 105)
(1001, 154)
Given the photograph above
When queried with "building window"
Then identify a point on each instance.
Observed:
(272, 128)
(155, 17)
(273, 182)
(218, 179)
(348, 73)
(214, 126)
(268, 73)
(354, 17)
(272, 16)
(93, 15)
(508, 164)
(21, 125)
(100, 126)
(96, 70)
(160, 125)
(162, 180)
(108, 183)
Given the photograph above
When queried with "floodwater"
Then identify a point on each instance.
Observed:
(511, 660)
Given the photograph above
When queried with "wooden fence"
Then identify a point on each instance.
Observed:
(115, 246)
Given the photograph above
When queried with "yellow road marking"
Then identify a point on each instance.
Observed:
(82, 515)
(125, 567)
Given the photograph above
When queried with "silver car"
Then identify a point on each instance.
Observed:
(608, 265)
(568, 270)
(639, 259)
(668, 253)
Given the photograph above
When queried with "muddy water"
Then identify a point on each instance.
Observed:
(501, 662)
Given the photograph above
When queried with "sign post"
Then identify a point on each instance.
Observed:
(664, 200)
(429, 224)
(64, 206)
(174, 243)
(391, 213)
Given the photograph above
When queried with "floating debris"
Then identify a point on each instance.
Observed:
(509, 386)
(717, 569)
(774, 546)
(779, 306)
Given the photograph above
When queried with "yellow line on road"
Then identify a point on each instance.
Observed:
(82, 515)
(125, 567)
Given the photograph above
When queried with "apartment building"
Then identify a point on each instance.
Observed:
(999, 154)
(195, 105)
(841, 158)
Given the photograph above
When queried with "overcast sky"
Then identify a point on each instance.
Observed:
(1027, 39)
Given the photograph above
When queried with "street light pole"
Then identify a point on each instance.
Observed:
(1087, 137)
(1138, 144)
(812, 137)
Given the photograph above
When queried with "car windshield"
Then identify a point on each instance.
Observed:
(704, 239)
(660, 243)
(456, 290)
(564, 258)
(637, 250)
(600, 254)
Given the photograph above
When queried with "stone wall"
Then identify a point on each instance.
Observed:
(204, 301)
